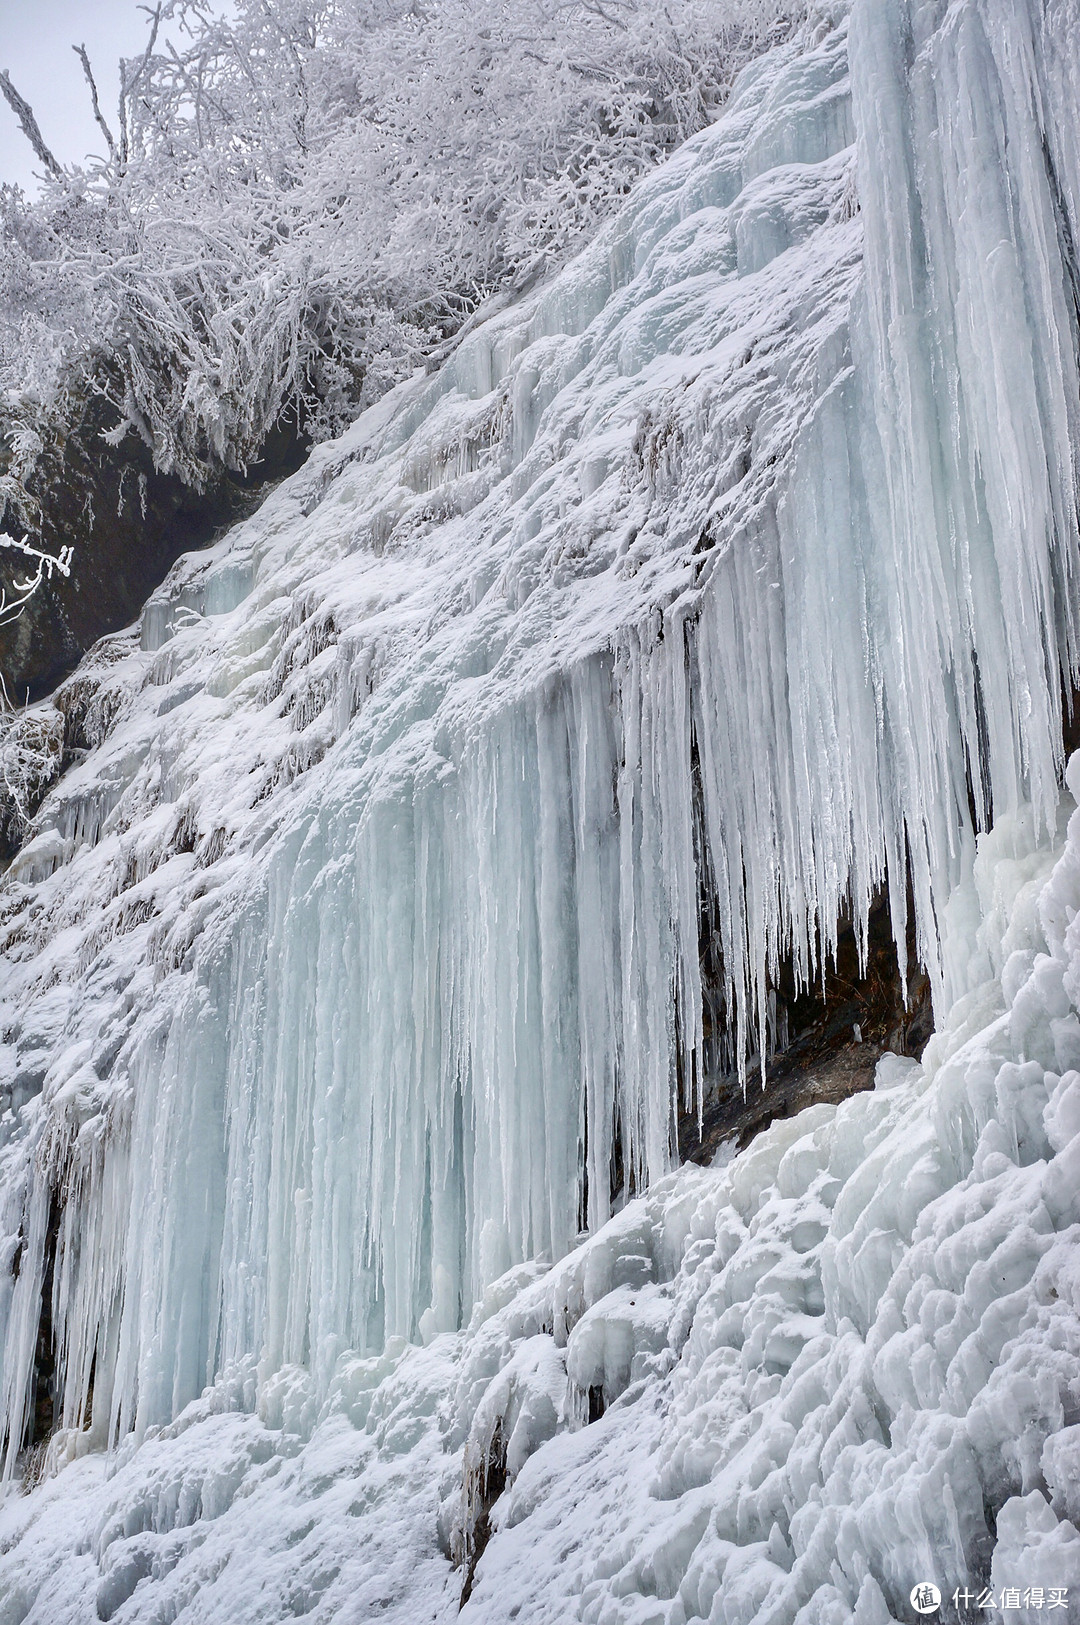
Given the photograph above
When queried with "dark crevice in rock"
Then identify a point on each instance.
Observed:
(828, 1041)
(43, 1407)
(1070, 724)
(486, 1491)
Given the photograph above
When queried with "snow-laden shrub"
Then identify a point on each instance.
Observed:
(302, 200)
(31, 749)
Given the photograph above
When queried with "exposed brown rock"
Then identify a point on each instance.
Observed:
(835, 1036)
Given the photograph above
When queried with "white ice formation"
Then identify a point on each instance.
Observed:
(731, 576)
(844, 1363)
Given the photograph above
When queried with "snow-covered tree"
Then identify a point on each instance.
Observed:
(298, 202)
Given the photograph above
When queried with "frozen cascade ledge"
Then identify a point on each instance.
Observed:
(846, 1362)
(369, 923)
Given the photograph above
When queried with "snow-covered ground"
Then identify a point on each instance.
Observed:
(364, 935)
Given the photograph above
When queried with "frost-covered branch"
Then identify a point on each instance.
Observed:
(29, 125)
(81, 53)
(22, 591)
(132, 75)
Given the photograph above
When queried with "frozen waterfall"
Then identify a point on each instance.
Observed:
(730, 577)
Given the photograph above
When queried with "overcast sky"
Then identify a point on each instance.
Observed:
(36, 37)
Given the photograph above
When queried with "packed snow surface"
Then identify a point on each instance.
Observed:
(716, 585)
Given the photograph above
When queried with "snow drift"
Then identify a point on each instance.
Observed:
(726, 580)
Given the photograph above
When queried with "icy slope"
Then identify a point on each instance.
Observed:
(370, 921)
(685, 599)
(847, 1362)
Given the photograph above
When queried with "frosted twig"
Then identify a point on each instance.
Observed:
(28, 124)
(22, 591)
(81, 53)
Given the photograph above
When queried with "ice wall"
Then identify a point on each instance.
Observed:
(782, 1391)
(968, 177)
(696, 593)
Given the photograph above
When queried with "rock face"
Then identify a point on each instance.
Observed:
(127, 524)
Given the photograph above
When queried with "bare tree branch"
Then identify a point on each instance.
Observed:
(28, 124)
(80, 52)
